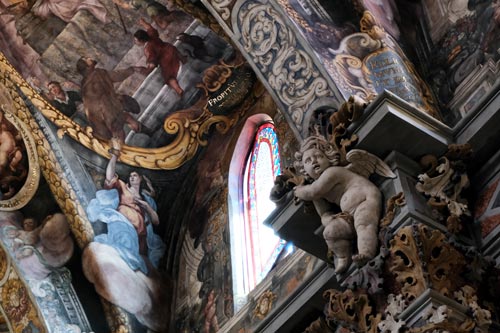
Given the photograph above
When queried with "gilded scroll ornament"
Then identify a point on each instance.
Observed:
(274, 49)
(190, 126)
(368, 62)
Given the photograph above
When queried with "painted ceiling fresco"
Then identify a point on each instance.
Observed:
(122, 91)
(107, 105)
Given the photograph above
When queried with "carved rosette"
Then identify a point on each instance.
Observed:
(422, 258)
(351, 309)
(264, 304)
(274, 49)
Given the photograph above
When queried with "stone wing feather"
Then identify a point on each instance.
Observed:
(365, 164)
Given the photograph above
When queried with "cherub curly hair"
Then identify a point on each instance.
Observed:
(320, 143)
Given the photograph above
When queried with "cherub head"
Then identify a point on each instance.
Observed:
(315, 156)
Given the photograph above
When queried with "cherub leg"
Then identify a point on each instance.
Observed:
(341, 248)
(338, 234)
(366, 219)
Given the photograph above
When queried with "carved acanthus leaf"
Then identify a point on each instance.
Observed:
(352, 309)
(444, 262)
(406, 264)
(415, 247)
(438, 315)
(318, 326)
(391, 325)
(482, 317)
(368, 277)
(349, 111)
(444, 181)
(396, 305)
(394, 202)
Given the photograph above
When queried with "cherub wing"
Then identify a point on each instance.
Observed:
(363, 163)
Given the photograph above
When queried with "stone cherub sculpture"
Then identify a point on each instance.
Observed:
(342, 179)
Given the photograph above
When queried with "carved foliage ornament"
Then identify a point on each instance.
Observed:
(351, 309)
(396, 305)
(274, 49)
(444, 182)
(422, 258)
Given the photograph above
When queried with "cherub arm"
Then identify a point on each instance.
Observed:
(319, 188)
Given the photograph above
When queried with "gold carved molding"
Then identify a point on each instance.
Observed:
(28, 190)
(47, 161)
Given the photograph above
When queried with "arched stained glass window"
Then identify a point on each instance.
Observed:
(263, 165)
(255, 248)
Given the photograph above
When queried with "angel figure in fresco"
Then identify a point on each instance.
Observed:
(122, 263)
(39, 249)
(160, 53)
(348, 187)
(66, 9)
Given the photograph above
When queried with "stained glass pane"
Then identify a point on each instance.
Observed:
(262, 169)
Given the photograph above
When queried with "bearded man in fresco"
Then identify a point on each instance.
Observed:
(102, 105)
